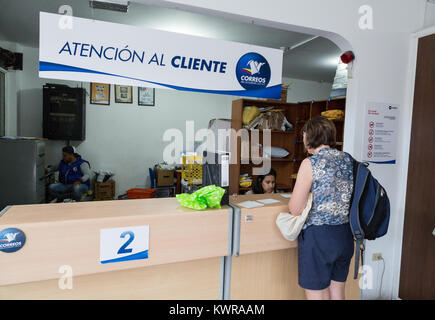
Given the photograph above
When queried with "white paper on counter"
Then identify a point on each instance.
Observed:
(268, 201)
(250, 204)
(286, 195)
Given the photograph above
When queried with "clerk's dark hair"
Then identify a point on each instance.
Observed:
(319, 131)
(257, 188)
(68, 149)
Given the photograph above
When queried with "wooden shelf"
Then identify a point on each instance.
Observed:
(300, 122)
(284, 132)
(297, 114)
(286, 159)
(278, 186)
(245, 189)
(338, 98)
(276, 131)
(264, 103)
(284, 186)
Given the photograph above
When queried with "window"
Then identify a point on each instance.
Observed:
(2, 103)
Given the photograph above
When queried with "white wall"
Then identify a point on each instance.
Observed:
(429, 19)
(127, 138)
(303, 90)
(381, 73)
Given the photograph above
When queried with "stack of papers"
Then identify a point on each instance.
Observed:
(267, 201)
(256, 204)
(250, 204)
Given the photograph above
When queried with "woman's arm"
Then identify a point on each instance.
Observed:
(302, 188)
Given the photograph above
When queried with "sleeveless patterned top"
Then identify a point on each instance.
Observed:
(332, 188)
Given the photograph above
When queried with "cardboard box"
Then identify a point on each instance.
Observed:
(104, 190)
(164, 178)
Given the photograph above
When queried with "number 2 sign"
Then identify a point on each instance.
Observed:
(124, 244)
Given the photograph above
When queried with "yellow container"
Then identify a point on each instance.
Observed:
(191, 169)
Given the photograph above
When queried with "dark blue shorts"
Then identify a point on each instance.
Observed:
(324, 254)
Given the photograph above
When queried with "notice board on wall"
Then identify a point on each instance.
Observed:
(380, 133)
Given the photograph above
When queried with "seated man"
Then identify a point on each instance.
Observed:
(74, 176)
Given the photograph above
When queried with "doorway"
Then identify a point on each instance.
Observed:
(2, 103)
(417, 279)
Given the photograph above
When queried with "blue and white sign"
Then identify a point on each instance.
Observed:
(11, 240)
(253, 71)
(380, 133)
(97, 51)
(124, 244)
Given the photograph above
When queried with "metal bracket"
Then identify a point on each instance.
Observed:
(237, 213)
(225, 265)
(4, 210)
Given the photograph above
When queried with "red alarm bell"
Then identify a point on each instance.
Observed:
(347, 57)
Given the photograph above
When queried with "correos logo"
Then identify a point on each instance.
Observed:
(253, 71)
(11, 240)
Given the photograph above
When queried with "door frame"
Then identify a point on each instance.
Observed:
(405, 138)
(6, 111)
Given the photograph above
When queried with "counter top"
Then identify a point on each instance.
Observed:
(69, 234)
(252, 197)
(55, 212)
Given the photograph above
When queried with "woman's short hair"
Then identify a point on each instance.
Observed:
(319, 131)
(257, 188)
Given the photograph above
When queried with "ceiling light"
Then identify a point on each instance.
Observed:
(329, 61)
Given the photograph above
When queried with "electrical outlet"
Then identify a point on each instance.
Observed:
(376, 256)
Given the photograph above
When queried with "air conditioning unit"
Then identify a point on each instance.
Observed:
(113, 5)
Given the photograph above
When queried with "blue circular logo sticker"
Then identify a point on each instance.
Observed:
(253, 71)
(11, 240)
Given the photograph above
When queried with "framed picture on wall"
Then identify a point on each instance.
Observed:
(123, 94)
(145, 96)
(100, 93)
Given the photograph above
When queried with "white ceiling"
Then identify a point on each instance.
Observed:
(316, 60)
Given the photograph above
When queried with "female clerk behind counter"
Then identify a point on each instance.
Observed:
(264, 184)
(325, 244)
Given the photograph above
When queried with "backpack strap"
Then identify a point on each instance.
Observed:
(355, 164)
(359, 250)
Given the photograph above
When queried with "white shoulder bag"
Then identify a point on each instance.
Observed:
(290, 225)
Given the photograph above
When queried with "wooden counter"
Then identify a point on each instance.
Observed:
(189, 252)
(185, 247)
(264, 264)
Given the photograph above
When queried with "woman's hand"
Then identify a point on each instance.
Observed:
(302, 188)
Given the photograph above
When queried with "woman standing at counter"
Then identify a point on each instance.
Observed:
(325, 244)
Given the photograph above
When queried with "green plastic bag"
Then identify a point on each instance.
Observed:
(206, 197)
